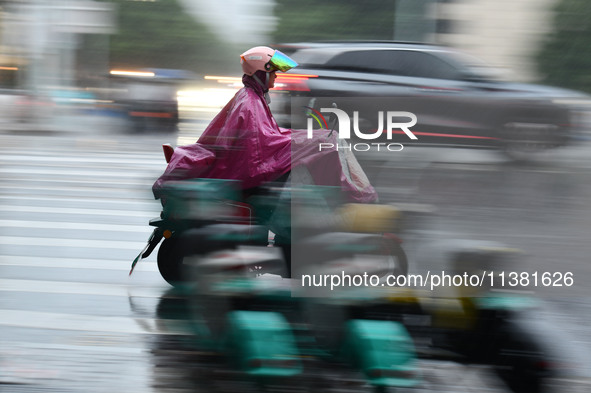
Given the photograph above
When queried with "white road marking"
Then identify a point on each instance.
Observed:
(73, 225)
(79, 288)
(82, 243)
(85, 211)
(75, 263)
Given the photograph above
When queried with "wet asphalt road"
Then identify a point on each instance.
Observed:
(74, 214)
(542, 209)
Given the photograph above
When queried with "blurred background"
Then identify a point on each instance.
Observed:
(60, 54)
(89, 90)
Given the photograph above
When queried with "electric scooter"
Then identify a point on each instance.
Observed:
(201, 216)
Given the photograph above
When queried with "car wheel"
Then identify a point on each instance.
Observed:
(526, 140)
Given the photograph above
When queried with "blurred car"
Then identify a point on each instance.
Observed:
(457, 99)
(149, 97)
(78, 100)
(25, 110)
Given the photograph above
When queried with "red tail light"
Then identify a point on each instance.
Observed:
(293, 82)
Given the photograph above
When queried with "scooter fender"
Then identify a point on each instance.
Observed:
(153, 241)
(155, 238)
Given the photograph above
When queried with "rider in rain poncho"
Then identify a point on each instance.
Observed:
(244, 142)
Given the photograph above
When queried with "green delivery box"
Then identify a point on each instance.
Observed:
(262, 344)
(383, 351)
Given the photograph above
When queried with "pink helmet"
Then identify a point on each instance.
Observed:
(263, 58)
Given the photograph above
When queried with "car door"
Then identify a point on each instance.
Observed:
(449, 107)
(369, 80)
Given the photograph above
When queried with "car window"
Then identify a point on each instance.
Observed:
(476, 67)
(367, 61)
(426, 65)
(395, 62)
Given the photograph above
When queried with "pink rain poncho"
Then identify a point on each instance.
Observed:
(243, 142)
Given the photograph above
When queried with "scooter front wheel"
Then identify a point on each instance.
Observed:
(170, 261)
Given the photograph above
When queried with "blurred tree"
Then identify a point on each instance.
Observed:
(565, 57)
(306, 20)
(161, 34)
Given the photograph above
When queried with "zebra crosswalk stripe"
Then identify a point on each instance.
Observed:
(45, 197)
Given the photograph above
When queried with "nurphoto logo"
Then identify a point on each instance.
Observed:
(392, 120)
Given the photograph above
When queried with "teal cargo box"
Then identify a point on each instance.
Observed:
(383, 351)
(262, 344)
(201, 199)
